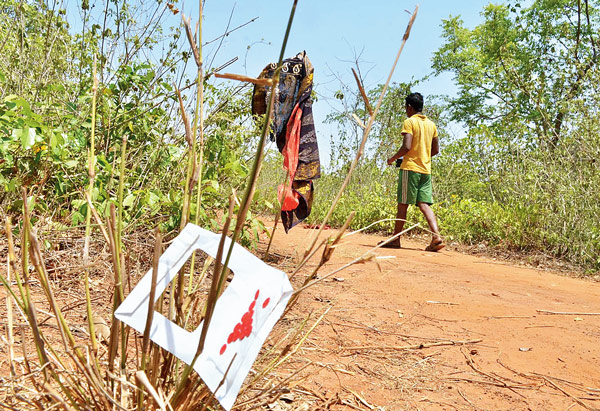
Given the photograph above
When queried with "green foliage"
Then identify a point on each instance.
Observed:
(370, 193)
(45, 118)
(522, 67)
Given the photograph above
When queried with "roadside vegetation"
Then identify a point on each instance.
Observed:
(520, 143)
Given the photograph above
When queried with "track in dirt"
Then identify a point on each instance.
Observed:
(486, 344)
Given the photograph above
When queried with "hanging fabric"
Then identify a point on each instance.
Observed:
(293, 129)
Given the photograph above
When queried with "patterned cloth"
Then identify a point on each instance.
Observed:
(293, 129)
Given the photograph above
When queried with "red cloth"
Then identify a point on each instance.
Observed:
(290, 159)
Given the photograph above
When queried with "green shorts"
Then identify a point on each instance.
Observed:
(414, 187)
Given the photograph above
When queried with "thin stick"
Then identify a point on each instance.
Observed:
(256, 167)
(258, 81)
(88, 215)
(577, 400)
(37, 262)
(27, 303)
(359, 398)
(564, 313)
(96, 217)
(151, 297)
(218, 278)
(210, 303)
(143, 378)
(245, 205)
(308, 257)
(9, 306)
(441, 302)
(492, 377)
(365, 135)
(411, 347)
(272, 233)
(198, 128)
(358, 121)
(363, 94)
(327, 253)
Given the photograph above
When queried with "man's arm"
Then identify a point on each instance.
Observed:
(406, 145)
(435, 146)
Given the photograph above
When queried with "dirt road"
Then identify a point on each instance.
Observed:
(516, 357)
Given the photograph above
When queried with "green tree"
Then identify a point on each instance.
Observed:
(522, 66)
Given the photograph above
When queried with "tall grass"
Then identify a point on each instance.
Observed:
(80, 375)
(121, 371)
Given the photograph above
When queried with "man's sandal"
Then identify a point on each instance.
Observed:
(435, 246)
(393, 244)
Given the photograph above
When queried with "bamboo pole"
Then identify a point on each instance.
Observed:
(88, 216)
(9, 305)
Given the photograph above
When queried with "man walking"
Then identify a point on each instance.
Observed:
(420, 143)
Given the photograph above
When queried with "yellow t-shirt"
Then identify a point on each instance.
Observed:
(423, 131)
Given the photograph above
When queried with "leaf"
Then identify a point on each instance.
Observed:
(26, 136)
(103, 162)
(21, 102)
(153, 199)
(77, 218)
(53, 140)
(128, 201)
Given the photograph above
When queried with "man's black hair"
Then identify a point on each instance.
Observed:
(415, 100)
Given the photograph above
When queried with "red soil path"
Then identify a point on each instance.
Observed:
(525, 359)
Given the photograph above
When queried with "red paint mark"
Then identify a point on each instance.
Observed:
(243, 329)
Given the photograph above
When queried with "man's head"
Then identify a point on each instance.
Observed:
(414, 104)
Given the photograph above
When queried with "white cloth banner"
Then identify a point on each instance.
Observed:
(243, 318)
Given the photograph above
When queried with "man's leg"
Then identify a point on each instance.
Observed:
(400, 218)
(398, 226)
(431, 220)
(424, 199)
(436, 239)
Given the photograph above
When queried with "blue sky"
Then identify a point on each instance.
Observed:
(331, 32)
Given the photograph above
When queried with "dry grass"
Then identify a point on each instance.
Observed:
(65, 271)
(72, 354)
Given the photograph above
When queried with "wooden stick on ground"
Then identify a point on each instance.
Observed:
(564, 313)
(359, 398)
(571, 396)
(441, 302)
(492, 377)
(414, 346)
